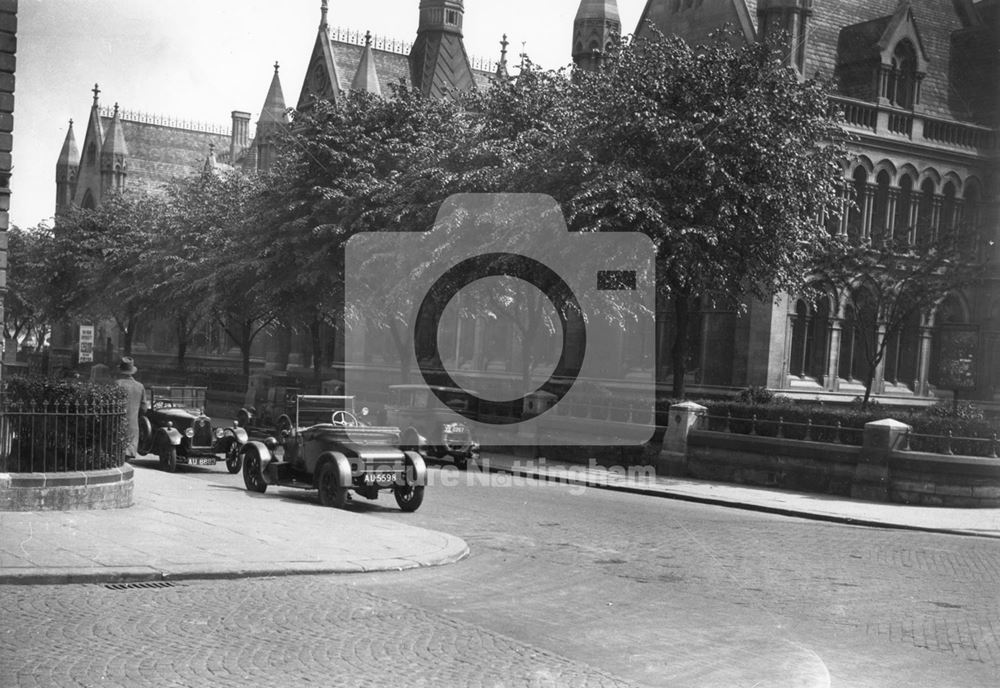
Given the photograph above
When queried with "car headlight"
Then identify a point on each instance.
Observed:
(189, 433)
(219, 433)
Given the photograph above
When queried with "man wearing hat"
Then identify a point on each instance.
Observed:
(135, 396)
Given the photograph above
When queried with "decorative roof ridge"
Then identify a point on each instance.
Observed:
(166, 121)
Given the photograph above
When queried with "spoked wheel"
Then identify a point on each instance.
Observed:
(233, 459)
(409, 497)
(331, 492)
(145, 436)
(253, 475)
(168, 458)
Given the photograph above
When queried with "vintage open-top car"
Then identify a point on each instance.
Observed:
(174, 427)
(325, 447)
(425, 425)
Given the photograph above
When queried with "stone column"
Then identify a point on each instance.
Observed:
(878, 384)
(922, 385)
(871, 475)
(833, 355)
(684, 417)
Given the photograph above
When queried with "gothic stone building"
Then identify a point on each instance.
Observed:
(917, 81)
(915, 78)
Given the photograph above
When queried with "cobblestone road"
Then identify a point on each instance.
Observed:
(314, 631)
(561, 589)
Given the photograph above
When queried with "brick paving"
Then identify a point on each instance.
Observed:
(259, 632)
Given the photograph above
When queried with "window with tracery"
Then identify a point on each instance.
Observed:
(901, 86)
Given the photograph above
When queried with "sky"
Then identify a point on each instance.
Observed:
(202, 59)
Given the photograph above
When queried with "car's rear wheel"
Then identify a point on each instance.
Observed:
(409, 497)
(331, 492)
(168, 458)
(233, 459)
(253, 475)
(145, 436)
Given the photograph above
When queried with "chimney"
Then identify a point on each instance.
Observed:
(240, 136)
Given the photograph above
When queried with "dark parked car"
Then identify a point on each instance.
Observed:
(325, 447)
(427, 428)
(175, 427)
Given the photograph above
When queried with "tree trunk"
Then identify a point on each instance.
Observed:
(317, 352)
(682, 315)
(182, 339)
(245, 342)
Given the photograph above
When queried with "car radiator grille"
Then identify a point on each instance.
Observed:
(202, 433)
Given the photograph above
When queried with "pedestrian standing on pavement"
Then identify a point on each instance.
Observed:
(135, 397)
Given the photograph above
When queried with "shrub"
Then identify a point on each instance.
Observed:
(61, 425)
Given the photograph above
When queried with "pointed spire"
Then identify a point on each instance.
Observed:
(274, 110)
(502, 72)
(323, 9)
(70, 154)
(366, 79)
(96, 92)
(114, 139)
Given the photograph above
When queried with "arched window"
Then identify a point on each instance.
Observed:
(88, 201)
(967, 226)
(901, 354)
(901, 229)
(809, 338)
(902, 86)
(925, 205)
(947, 221)
(948, 315)
(880, 209)
(858, 340)
(855, 216)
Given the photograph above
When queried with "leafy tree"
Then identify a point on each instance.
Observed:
(361, 165)
(29, 307)
(898, 281)
(718, 153)
(210, 258)
(105, 248)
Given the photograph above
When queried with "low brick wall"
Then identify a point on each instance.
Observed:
(105, 489)
(913, 477)
(772, 462)
(936, 480)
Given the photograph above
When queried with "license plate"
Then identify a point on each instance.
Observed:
(202, 461)
(379, 478)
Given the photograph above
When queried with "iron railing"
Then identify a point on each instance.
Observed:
(60, 437)
(947, 444)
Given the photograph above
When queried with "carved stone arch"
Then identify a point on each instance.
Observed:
(929, 173)
(951, 306)
(951, 177)
(886, 165)
(862, 161)
(973, 186)
(908, 170)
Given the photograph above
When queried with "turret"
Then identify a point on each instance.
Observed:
(365, 79)
(114, 156)
(596, 27)
(439, 65)
(67, 169)
(273, 120)
(786, 21)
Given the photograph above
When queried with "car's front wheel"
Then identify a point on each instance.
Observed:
(331, 492)
(168, 458)
(409, 497)
(253, 475)
(233, 459)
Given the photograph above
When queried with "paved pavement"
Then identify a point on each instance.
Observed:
(183, 528)
(641, 480)
(180, 527)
